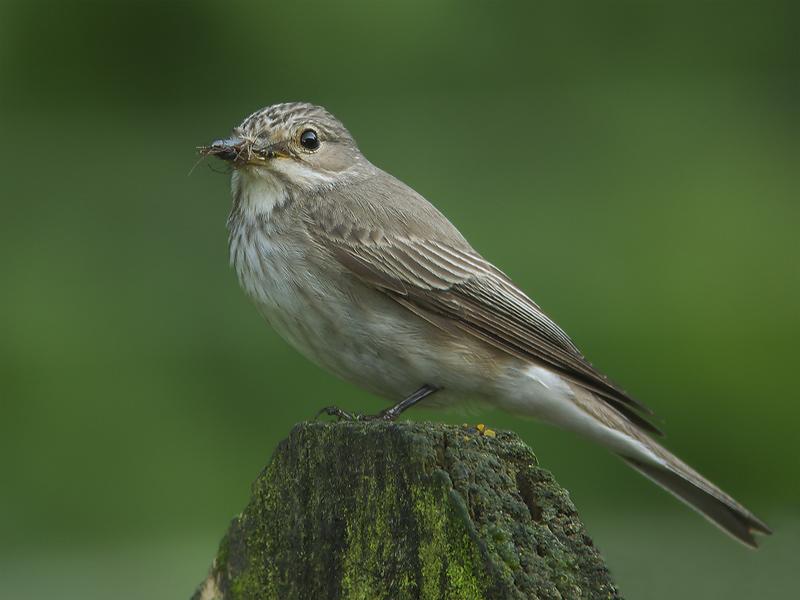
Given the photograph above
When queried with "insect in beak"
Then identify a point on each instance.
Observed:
(230, 150)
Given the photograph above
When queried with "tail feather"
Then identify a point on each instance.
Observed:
(715, 505)
(606, 425)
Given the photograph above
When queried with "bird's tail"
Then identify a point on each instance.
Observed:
(618, 433)
(688, 485)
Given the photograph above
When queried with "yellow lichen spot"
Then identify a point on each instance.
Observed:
(490, 433)
(480, 427)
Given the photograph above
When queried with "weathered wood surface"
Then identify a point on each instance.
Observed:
(403, 511)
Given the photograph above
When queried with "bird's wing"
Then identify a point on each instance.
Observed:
(455, 288)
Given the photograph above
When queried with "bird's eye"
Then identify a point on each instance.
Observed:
(309, 139)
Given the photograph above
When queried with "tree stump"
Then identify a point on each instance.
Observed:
(405, 510)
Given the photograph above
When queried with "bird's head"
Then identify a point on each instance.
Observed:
(295, 145)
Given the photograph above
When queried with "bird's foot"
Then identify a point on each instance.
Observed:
(389, 414)
(343, 415)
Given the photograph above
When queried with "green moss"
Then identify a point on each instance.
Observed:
(407, 511)
(368, 542)
(445, 546)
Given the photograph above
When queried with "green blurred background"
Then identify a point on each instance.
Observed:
(635, 166)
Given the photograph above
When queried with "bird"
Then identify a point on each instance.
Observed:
(370, 281)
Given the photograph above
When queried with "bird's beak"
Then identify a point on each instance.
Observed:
(240, 151)
(233, 150)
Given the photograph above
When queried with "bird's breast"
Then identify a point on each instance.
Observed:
(350, 329)
(304, 299)
(274, 271)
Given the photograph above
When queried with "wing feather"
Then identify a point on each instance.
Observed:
(454, 287)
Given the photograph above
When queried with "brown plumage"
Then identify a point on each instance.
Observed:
(368, 279)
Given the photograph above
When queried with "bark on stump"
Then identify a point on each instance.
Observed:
(405, 510)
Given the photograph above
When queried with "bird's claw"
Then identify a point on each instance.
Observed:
(388, 414)
(335, 411)
(343, 415)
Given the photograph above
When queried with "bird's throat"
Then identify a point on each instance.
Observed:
(257, 194)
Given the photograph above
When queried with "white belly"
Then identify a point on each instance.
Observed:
(357, 333)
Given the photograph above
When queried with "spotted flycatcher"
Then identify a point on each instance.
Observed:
(366, 278)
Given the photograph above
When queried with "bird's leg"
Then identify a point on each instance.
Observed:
(389, 414)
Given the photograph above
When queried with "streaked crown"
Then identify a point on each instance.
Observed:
(288, 116)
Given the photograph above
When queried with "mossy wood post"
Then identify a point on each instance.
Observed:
(397, 511)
